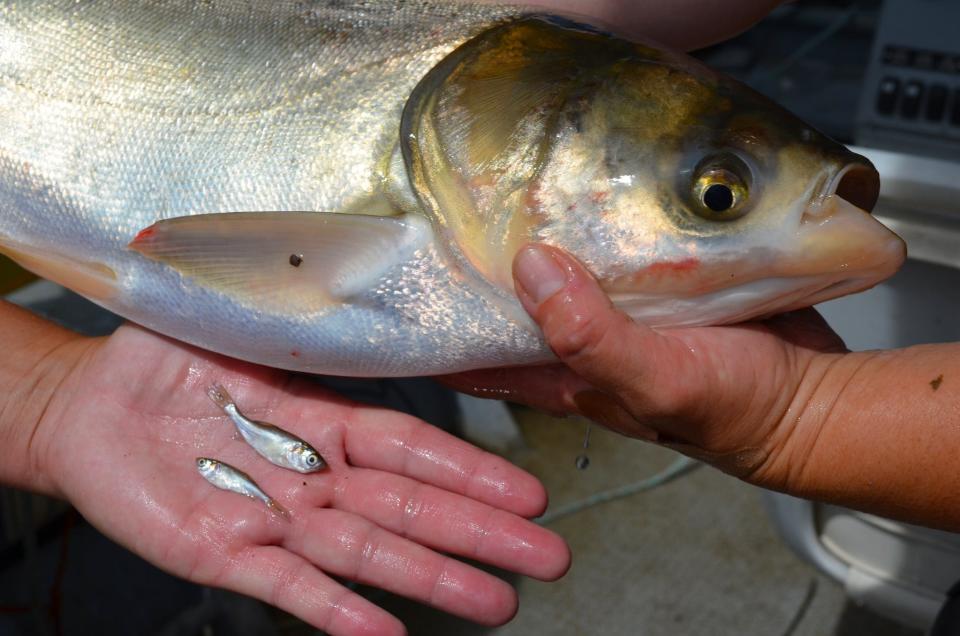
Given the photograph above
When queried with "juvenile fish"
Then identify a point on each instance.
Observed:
(275, 444)
(227, 477)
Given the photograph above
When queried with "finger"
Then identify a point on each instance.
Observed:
(352, 547)
(452, 523)
(550, 388)
(650, 372)
(404, 445)
(386, 440)
(278, 577)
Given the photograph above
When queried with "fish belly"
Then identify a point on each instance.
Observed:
(116, 115)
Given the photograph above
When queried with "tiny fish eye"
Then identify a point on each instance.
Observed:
(312, 459)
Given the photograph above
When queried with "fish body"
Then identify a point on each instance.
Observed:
(340, 187)
(272, 443)
(226, 477)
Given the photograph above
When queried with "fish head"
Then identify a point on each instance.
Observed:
(206, 466)
(692, 198)
(695, 200)
(305, 459)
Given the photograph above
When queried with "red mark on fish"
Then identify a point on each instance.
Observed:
(599, 197)
(144, 235)
(673, 267)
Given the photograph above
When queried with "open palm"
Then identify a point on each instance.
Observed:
(120, 441)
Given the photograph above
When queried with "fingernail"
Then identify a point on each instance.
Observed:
(538, 273)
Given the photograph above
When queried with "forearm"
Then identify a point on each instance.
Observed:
(36, 357)
(879, 431)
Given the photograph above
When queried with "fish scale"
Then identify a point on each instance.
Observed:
(167, 160)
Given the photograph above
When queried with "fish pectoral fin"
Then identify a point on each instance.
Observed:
(284, 261)
(94, 280)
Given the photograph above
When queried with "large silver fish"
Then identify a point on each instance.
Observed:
(340, 186)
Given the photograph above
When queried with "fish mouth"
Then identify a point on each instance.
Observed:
(836, 248)
(839, 242)
(857, 183)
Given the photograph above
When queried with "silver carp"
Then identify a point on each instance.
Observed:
(226, 477)
(272, 443)
(340, 186)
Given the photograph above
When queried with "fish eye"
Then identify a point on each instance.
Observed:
(718, 197)
(312, 460)
(720, 193)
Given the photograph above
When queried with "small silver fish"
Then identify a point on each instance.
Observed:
(275, 444)
(227, 477)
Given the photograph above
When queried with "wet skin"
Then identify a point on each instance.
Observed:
(121, 420)
(114, 425)
(779, 403)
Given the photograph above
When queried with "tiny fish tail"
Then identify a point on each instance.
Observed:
(277, 508)
(220, 396)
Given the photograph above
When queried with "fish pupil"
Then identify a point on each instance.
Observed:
(718, 197)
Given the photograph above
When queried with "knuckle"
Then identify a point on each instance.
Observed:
(367, 554)
(286, 584)
(478, 540)
(411, 510)
(441, 580)
(471, 483)
(336, 611)
(670, 400)
(581, 337)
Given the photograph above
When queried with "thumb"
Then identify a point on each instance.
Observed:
(649, 373)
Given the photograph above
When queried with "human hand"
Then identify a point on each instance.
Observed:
(119, 440)
(731, 396)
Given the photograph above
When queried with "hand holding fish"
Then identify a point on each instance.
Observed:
(121, 421)
(779, 403)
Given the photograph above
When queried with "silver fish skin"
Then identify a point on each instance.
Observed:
(170, 109)
(340, 186)
(272, 442)
(226, 477)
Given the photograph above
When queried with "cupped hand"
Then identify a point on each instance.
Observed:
(732, 396)
(121, 435)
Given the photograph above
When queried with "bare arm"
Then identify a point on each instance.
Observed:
(114, 425)
(37, 356)
(878, 431)
(780, 403)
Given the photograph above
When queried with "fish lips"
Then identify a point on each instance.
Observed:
(840, 248)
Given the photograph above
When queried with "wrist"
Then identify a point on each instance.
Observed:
(40, 359)
(795, 461)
